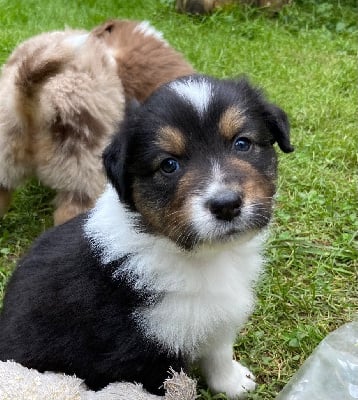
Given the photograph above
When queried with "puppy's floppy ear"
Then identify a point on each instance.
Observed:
(275, 118)
(279, 127)
(114, 156)
(104, 29)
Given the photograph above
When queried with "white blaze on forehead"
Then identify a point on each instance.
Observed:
(147, 30)
(197, 92)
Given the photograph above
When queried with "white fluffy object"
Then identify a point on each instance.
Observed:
(20, 383)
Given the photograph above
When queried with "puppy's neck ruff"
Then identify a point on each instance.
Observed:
(201, 291)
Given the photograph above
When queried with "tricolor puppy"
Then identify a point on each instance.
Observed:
(161, 272)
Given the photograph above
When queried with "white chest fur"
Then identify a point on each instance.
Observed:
(203, 292)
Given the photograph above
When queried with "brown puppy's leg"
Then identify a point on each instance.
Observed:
(69, 205)
(5, 199)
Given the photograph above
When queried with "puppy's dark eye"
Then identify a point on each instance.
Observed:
(242, 144)
(169, 165)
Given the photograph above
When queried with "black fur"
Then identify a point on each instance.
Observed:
(63, 312)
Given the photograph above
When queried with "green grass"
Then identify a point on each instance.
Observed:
(305, 58)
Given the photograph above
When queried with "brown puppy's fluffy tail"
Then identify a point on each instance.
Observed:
(37, 67)
(33, 71)
(144, 59)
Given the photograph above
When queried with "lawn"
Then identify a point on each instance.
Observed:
(306, 60)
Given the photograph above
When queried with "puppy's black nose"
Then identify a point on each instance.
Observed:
(226, 205)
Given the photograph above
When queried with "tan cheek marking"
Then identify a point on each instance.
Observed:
(171, 140)
(151, 215)
(173, 220)
(184, 190)
(255, 186)
(168, 221)
(178, 217)
(230, 122)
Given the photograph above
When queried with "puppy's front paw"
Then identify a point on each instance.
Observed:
(245, 379)
(236, 383)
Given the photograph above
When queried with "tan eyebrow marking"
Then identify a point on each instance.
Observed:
(231, 121)
(171, 140)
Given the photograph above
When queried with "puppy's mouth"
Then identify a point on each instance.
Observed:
(217, 231)
(210, 220)
(226, 217)
(219, 235)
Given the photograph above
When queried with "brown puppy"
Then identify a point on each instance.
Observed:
(62, 95)
(144, 59)
(60, 100)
